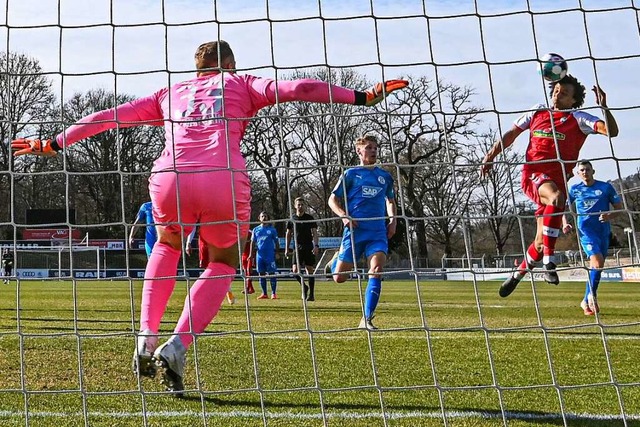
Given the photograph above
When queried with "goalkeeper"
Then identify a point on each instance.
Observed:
(205, 119)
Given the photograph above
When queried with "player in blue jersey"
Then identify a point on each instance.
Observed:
(370, 200)
(264, 239)
(145, 215)
(593, 200)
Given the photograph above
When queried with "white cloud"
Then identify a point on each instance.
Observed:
(133, 46)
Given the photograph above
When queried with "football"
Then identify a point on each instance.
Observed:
(553, 67)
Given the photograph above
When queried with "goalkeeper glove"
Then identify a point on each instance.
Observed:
(378, 92)
(46, 147)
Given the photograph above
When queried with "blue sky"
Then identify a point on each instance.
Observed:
(490, 45)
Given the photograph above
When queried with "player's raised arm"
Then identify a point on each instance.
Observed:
(609, 126)
(506, 141)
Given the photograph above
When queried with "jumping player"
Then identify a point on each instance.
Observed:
(205, 119)
(593, 200)
(556, 137)
(368, 192)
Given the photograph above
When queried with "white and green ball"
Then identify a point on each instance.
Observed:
(553, 67)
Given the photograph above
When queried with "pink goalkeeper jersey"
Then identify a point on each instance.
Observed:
(205, 117)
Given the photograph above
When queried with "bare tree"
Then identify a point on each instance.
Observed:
(495, 195)
(108, 171)
(26, 101)
(268, 146)
(424, 120)
(297, 148)
(326, 133)
(448, 184)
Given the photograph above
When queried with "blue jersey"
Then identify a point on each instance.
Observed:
(265, 238)
(367, 190)
(145, 214)
(590, 202)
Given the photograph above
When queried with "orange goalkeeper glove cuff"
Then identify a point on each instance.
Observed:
(378, 92)
(46, 147)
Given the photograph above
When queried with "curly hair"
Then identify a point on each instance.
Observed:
(579, 92)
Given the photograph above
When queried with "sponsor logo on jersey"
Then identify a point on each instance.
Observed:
(369, 192)
(548, 133)
(381, 180)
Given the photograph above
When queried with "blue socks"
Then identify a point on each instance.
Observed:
(371, 296)
(593, 282)
(274, 285)
(263, 285)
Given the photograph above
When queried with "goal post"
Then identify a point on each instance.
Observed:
(326, 256)
(58, 261)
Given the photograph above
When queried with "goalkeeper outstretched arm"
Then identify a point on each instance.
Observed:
(147, 111)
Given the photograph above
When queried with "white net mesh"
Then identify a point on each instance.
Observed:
(450, 351)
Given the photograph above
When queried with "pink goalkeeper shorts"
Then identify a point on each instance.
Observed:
(219, 201)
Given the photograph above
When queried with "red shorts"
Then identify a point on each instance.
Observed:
(219, 201)
(533, 180)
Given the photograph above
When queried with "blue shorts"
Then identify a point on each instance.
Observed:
(366, 242)
(593, 245)
(264, 265)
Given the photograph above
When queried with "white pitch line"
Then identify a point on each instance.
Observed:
(395, 415)
(440, 335)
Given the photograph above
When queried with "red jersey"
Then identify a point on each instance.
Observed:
(570, 129)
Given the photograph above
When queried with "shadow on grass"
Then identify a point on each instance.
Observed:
(532, 417)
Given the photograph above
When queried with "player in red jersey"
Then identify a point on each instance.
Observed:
(556, 137)
(247, 264)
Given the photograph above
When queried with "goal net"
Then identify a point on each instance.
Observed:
(449, 350)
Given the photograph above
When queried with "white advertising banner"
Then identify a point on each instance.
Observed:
(32, 273)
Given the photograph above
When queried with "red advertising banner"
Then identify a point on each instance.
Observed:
(49, 233)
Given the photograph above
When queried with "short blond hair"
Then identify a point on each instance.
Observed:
(364, 140)
(213, 54)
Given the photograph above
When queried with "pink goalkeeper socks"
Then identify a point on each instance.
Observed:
(163, 262)
(204, 300)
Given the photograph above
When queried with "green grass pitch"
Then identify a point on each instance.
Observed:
(65, 357)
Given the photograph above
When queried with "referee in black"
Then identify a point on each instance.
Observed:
(7, 264)
(304, 229)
